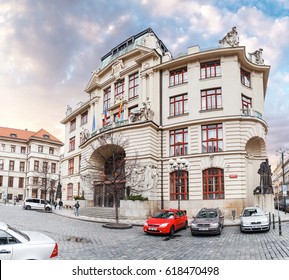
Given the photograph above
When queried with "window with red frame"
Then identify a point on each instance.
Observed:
(106, 98)
(71, 166)
(179, 185)
(20, 182)
(178, 76)
(84, 117)
(245, 78)
(211, 99)
(72, 144)
(119, 89)
(213, 184)
(246, 104)
(133, 86)
(212, 138)
(70, 191)
(179, 142)
(73, 125)
(10, 182)
(210, 69)
(179, 105)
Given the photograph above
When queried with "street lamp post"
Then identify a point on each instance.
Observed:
(179, 165)
(284, 188)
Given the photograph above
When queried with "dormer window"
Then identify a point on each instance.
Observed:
(46, 136)
(14, 135)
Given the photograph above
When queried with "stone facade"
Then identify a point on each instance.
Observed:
(204, 106)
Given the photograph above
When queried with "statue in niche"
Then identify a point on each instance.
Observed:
(258, 59)
(231, 38)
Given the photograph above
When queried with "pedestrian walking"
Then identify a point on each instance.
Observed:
(76, 208)
(60, 203)
(55, 205)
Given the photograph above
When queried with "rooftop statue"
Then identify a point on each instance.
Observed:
(256, 56)
(231, 39)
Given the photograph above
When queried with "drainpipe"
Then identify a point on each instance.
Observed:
(162, 136)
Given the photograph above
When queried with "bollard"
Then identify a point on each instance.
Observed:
(280, 230)
(269, 218)
(273, 217)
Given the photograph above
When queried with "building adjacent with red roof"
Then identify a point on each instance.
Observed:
(29, 164)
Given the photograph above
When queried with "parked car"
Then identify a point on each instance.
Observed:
(282, 206)
(25, 245)
(254, 219)
(208, 221)
(166, 222)
(36, 204)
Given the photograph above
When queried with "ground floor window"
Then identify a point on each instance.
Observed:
(213, 184)
(179, 185)
(69, 192)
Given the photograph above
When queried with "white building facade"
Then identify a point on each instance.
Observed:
(206, 107)
(29, 164)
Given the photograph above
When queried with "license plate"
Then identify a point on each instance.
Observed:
(203, 229)
(151, 228)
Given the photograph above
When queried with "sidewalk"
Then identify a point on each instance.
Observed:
(228, 222)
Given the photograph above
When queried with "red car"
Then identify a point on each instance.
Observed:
(166, 222)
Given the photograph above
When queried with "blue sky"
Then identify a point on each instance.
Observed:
(48, 50)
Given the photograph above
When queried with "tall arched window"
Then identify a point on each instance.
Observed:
(179, 185)
(213, 184)
(70, 191)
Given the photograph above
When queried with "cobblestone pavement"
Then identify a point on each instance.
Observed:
(90, 241)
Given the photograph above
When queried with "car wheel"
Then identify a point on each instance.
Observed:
(28, 207)
(172, 230)
(47, 209)
(186, 225)
(220, 230)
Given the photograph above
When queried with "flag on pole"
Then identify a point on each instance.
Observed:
(105, 114)
(120, 109)
(93, 122)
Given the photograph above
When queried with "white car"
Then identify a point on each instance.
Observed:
(25, 245)
(254, 219)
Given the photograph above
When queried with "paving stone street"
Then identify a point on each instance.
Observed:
(83, 240)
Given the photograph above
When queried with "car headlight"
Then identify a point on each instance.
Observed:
(214, 224)
(163, 225)
(146, 224)
(193, 225)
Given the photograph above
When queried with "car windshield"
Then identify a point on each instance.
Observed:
(19, 232)
(164, 215)
(252, 212)
(207, 214)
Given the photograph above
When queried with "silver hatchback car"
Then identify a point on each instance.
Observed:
(254, 219)
(208, 221)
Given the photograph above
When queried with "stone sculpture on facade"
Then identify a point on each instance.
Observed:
(144, 112)
(117, 68)
(256, 56)
(151, 176)
(265, 179)
(84, 135)
(231, 39)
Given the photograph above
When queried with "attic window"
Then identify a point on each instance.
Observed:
(13, 135)
(46, 136)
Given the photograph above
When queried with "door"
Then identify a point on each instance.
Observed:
(5, 248)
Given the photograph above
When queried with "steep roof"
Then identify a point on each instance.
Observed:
(26, 135)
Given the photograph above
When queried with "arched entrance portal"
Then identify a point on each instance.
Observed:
(109, 187)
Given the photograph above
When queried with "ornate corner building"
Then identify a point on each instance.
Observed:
(205, 106)
(29, 164)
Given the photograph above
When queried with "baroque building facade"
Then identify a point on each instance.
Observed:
(29, 164)
(205, 106)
